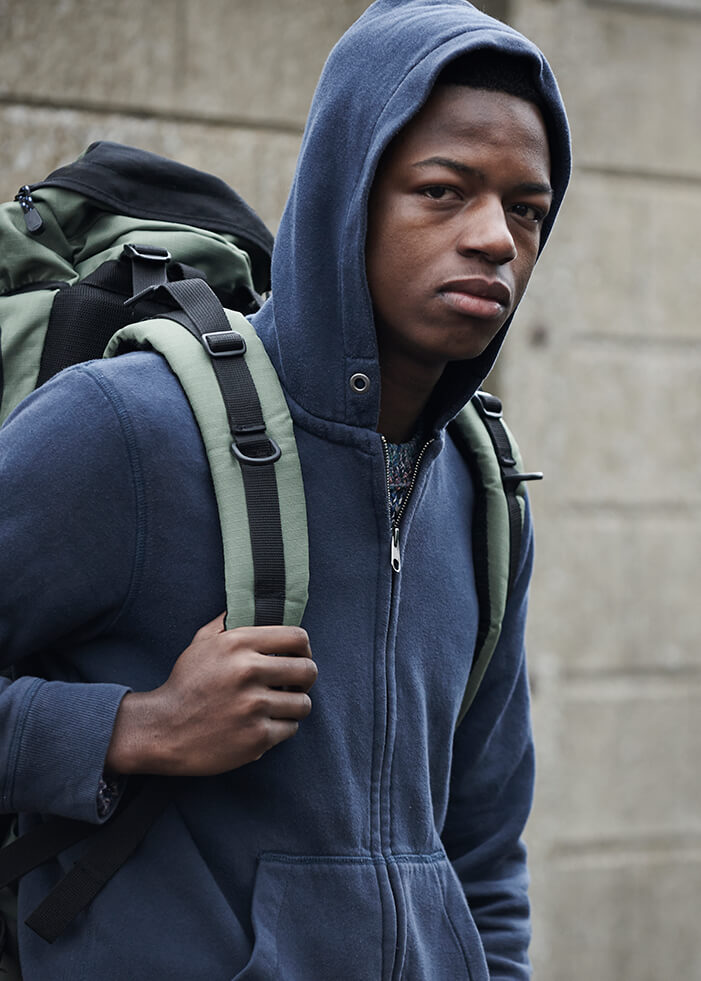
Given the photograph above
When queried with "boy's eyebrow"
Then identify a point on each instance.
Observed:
(526, 187)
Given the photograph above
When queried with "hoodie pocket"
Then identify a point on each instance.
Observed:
(442, 941)
(315, 918)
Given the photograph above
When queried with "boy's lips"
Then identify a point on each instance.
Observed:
(477, 297)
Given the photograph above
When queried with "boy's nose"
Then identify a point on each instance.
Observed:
(485, 231)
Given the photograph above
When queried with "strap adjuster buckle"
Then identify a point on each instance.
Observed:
(224, 343)
(489, 404)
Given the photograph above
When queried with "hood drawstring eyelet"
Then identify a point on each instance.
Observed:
(360, 383)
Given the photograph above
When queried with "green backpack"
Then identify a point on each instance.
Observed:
(122, 250)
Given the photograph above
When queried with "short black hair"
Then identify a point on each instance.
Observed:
(487, 68)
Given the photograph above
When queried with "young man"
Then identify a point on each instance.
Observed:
(362, 838)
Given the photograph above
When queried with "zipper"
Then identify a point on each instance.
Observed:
(395, 887)
(32, 218)
(395, 550)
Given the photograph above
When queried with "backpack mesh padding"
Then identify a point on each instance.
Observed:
(83, 318)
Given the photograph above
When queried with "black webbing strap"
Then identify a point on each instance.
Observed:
(480, 538)
(37, 846)
(490, 411)
(110, 847)
(255, 450)
(84, 316)
(148, 266)
(3, 939)
(82, 320)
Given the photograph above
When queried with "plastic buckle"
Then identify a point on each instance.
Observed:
(491, 406)
(146, 252)
(224, 343)
(514, 479)
(250, 435)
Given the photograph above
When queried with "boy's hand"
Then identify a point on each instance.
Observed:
(222, 706)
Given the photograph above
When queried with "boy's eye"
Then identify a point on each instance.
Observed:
(437, 192)
(528, 211)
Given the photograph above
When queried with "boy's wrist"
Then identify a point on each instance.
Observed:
(135, 744)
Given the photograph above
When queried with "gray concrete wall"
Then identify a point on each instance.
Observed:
(601, 376)
(223, 85)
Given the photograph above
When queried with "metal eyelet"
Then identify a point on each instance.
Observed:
(360, 383)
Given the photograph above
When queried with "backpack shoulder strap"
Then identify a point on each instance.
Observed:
(260, 499)
(500, 499)
(249, 462)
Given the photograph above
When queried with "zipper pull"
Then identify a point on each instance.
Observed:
(396, 556)
(32, 218)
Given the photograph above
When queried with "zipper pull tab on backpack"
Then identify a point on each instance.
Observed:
(32, 218)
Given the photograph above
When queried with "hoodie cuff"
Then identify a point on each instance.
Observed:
(61, 747)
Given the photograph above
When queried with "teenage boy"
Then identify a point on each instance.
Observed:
(364, 837)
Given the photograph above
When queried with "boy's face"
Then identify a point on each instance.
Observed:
(454, 224)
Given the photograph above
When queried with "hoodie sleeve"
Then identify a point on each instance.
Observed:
(68, 555)
(492, 791)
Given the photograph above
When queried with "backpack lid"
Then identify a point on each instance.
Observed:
(141, 184)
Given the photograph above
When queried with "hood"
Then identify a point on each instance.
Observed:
(318, 326)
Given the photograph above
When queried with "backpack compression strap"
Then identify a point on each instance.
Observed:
(495, 463)
(111, 844)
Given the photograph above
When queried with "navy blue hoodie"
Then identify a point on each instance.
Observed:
(377, 843)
